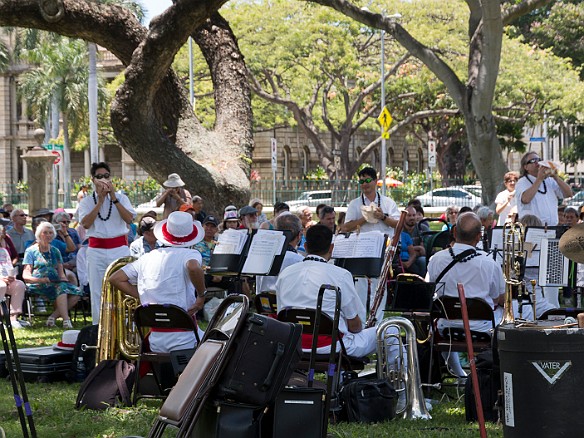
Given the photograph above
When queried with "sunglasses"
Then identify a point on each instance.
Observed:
(22, 215)
(365, 181)
(533, 160)
(102, 176)
(65, 222)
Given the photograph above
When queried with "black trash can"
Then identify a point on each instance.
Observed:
(542, 374)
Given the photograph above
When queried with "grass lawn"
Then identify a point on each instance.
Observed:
(55, 415)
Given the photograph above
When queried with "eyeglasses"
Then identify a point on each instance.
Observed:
(510, 180)
(65, 222)
(22, 215)
(102, 176)
(533, 160)
(365, 181)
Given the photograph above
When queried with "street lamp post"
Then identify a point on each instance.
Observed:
(383, 148)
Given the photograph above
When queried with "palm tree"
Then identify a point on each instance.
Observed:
(59, 80)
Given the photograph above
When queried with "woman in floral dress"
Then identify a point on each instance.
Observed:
(43, 271)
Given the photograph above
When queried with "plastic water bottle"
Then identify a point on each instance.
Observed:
(80, 370)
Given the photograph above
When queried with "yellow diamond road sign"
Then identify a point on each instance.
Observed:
(385, 122)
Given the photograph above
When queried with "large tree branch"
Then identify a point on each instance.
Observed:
(442, 71)
(520, 9)
(301, 115)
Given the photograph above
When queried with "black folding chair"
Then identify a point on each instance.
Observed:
(266, 303)
(167, 317)
(454, 339)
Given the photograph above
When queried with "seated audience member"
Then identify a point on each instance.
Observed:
(230, 220)
(171, 274)
(68, 236)
(19, 233)
(487, 218)
(8, 245)
(248, 217)
(305, 216)
(207, 245)
(9, 284)
(450, 215)
(571, 217)
(44, 213)
(292, 223)
(279, 208)
(44, 274)
(413, 253)
(147, 240)
(197, 202)
(259, 206)
(328, 217)
(423, 225)
(298, 286)
(63, 245)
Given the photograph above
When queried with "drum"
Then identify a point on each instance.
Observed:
(542, 372)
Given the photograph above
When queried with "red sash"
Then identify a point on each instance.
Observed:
(114, 242)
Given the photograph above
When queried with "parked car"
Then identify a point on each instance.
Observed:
(575, 201)
(449, 196)
(312, 198)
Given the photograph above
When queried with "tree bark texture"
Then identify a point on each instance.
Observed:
(151, 115)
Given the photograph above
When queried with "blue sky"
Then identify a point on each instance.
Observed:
(155, 7)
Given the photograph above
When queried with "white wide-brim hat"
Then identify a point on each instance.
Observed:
(68, 340)
(173, 181)
(179, 230)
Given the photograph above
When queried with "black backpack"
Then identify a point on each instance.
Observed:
(109, 384)
(367, 400)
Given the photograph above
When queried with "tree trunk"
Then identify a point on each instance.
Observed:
(151, 114)
(486, 155)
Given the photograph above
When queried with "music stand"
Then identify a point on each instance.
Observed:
(364, 266)
(414, 297)
(233, 264)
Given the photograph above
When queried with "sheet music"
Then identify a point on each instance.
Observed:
(358, 245)
(265, 245)
(497, 238)
(231, 242)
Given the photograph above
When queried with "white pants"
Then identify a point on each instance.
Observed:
(161, 342)
(364, 343)
(98, 260)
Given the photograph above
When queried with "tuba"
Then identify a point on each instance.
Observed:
(408, 379)
(117, 334)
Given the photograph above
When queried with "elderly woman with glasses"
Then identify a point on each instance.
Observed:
(44, 274)
(506, 203)
(539, 189)
(450, 215)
